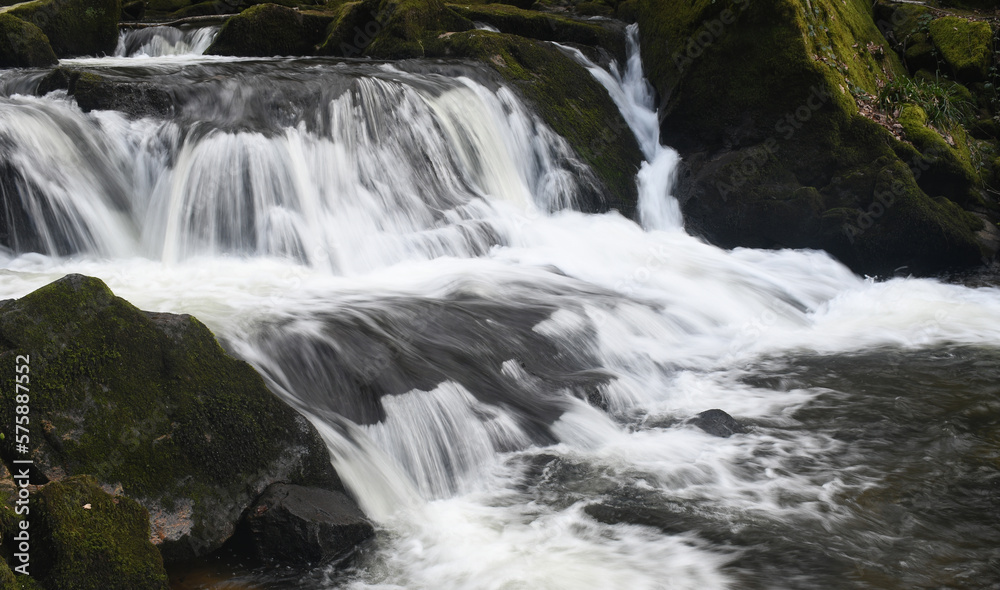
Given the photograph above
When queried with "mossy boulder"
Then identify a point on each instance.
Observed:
(23, 45)
(391, 29)
(87, 539)
(547, 27)
(151, 403)
(75, 27)
(761, 99)
(947, 168)
(570, 101)
(269, 29)
(965, 45)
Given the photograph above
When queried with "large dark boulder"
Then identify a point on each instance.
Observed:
(267, 30)
(75, 27)
(292, 524)
(764, 100)
(23, 45)
(150, 404)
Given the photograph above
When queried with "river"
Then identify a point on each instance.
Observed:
(505, 383)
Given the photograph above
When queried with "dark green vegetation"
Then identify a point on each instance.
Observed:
(75, 27)
(151, 404)
(81, 538)
(90, 540)
(22, 44)
(771, 104)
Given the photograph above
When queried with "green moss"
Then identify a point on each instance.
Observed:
(150, 402)
(782, 78)
(89, 540)
(964, 45)
(547, 27)
(75, 27)
(6, 576)
(568, 99)
(269, 29)
(22, 44)
(947, 168)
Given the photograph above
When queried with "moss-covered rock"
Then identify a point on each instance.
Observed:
(151, 403)
(87, 539)
(546, 26)
(965, 46)
(75, 27)
(269, 29)
(23, 45)
(948, 167)
(391, 29)
(761, 99)
(569, 100)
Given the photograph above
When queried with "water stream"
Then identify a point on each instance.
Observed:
(504, 382)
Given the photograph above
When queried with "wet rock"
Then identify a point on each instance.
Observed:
(293, 524)
(717, 423)
(763, 106)
(151, 403)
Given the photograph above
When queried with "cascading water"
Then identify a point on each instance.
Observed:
(504, 382)
(164, 40)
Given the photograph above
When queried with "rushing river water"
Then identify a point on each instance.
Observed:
(504, 382)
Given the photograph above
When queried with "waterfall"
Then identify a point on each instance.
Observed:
(164, 41)
(505, 383)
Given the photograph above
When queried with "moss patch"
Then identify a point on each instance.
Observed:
(91, 540)
(23, 45)
(964, 45)
(75, 27)
(761, 100)
(152, 403)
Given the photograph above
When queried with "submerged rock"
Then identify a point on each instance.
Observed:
(23, 45)
(300, 525)
(151, 404)
(75, 27)
(770, 104)
(717, 423)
